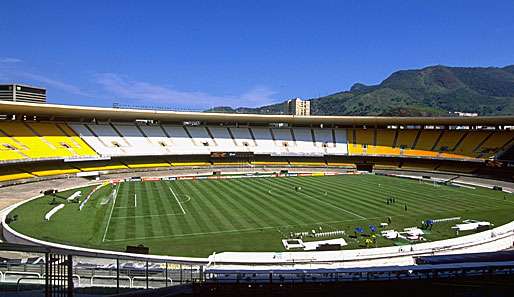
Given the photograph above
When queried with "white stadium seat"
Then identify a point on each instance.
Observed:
(123, 139)
(223, 141)
(243, 139)
(265, 143)
(138, 143)
(157, 137)
(305, 143)
(182, 143)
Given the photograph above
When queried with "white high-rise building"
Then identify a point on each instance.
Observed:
(298, 106)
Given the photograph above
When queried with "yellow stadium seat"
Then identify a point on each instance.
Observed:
(13, 173)
(83, 148)
(385, 137)
(384, 143)
(427, 140)
(317, 164)
(406, 138)
(99, 166)
(270, 163)
(449, 140)
(363, 140)
(53, 134)
(14, 176)
(420, 153)
(190, 163)
(228, 163)
(495, 143)
(382, 150)
(39, 140)
(147, 165)
(8, 152)
(35, 146)
(50, 172)
(341, 164)
(469, 143)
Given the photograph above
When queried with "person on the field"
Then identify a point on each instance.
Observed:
(405, 207)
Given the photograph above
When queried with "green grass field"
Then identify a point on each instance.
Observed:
(198, 217)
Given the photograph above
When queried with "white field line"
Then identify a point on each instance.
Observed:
(448, 188)
(110, 214)
(135, 203)
(335, 206)
(480, 196)
(329, 204)
(274, 227)
(176, 198)
(247, 229)
(188, 199)
(150, 216)
(192, 234)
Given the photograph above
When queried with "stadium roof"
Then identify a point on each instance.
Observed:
(71, 112)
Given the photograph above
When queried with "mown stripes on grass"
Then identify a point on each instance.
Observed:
(215, 206)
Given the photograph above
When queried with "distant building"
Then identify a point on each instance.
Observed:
(298, 106)
(463, 114)
(22, 93)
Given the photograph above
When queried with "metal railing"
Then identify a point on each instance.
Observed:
(25, 265)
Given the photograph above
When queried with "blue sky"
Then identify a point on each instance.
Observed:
(198, 54)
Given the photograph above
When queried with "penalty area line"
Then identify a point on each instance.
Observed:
(149, 216)
(110, 214)
(176, 198)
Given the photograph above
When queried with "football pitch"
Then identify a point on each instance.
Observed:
(198, 217)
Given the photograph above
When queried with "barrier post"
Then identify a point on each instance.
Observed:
(166, 274)
(47, 283)
(117, 275)
(146, 274)
(70, 276)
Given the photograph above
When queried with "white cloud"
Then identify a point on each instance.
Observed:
(8, 60)
(123, 88)
(257, 96)
(58, 84)
(12, 70)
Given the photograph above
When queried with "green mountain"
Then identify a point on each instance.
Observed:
(431, 91)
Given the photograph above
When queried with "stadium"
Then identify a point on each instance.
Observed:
(252, 199)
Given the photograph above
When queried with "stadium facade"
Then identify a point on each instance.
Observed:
(47, 142)
(38, 140)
